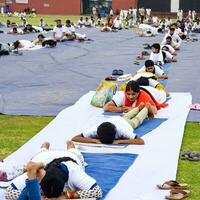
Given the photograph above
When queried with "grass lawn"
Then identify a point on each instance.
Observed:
(16, 130)
(49, 19)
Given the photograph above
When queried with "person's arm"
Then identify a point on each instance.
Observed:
(32, 189)
(112, 107)
(137, 141)
(163, 76)
(80, 138)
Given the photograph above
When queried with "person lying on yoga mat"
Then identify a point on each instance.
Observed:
(16, 31)
(61, 176)
(156, 55)
(175, 38)
(150, 67)
(117, 129)
(167, 56)
(124, 101)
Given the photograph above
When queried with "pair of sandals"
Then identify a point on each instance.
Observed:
(177, 190)
(189, 155)
(195, 106)
(147, 46)
(117, 72)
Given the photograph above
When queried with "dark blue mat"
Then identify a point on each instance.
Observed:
(148, 125)
(107, 169)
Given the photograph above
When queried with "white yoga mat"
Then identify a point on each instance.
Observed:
(157, 160)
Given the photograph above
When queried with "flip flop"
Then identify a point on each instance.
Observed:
(120, 72)
(168, 185)
(195, 106)
(115, 72)
(178, 194)
(189, 155)
(111, 78)
(140, 57)
(136, 63)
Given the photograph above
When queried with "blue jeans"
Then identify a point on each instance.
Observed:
(31, 191)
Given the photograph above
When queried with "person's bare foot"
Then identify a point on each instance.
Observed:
(141, 106)
(150, 111)
(70, 145)
(45, 145)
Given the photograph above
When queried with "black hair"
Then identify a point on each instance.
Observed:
(143, 81)
(168, 38)
(172, 29)
(156, 46)
(41, 35)
(106, 132)
(165, 48)
(132, 85)
(68, 21)
(53, 182)
(16, 44)
(149, 63)
(55, 178)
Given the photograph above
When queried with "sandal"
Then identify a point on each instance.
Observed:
(195, 106)
(111, 78)
(115, 72)
(120, 72)
(178, 194)
(136, 63)
(172, 185)
(140, 57)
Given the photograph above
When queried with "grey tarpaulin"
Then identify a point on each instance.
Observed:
(45, 81)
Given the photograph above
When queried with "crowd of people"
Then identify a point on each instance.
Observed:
(62, 173)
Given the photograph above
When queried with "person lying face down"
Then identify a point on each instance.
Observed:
(113, 131)
(60, 173)
(124, 101)
(154, 69)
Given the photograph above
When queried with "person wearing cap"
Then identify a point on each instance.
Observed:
(61, 175)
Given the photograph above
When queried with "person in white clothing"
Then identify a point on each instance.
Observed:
(15, 31)
(117, 24)
(58, 32)
(152, 68)
(175, 39)
(62, 170)
(156, 55)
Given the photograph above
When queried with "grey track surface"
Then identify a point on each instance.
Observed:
(45, 81)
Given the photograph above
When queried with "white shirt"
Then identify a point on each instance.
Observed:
(78, 179)
(171, 49)
(158, 70)
(175, 38)
(19, 30)
(58, 31)
(156, 57)
(117, 23)
(123, 129)
(159, 95)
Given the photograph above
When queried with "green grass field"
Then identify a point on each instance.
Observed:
(49, 19)
(17, 130)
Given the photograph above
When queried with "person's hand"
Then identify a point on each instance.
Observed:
(97, 141)
(126, 109)
(116, 142)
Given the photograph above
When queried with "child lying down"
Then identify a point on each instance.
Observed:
(117, 129)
